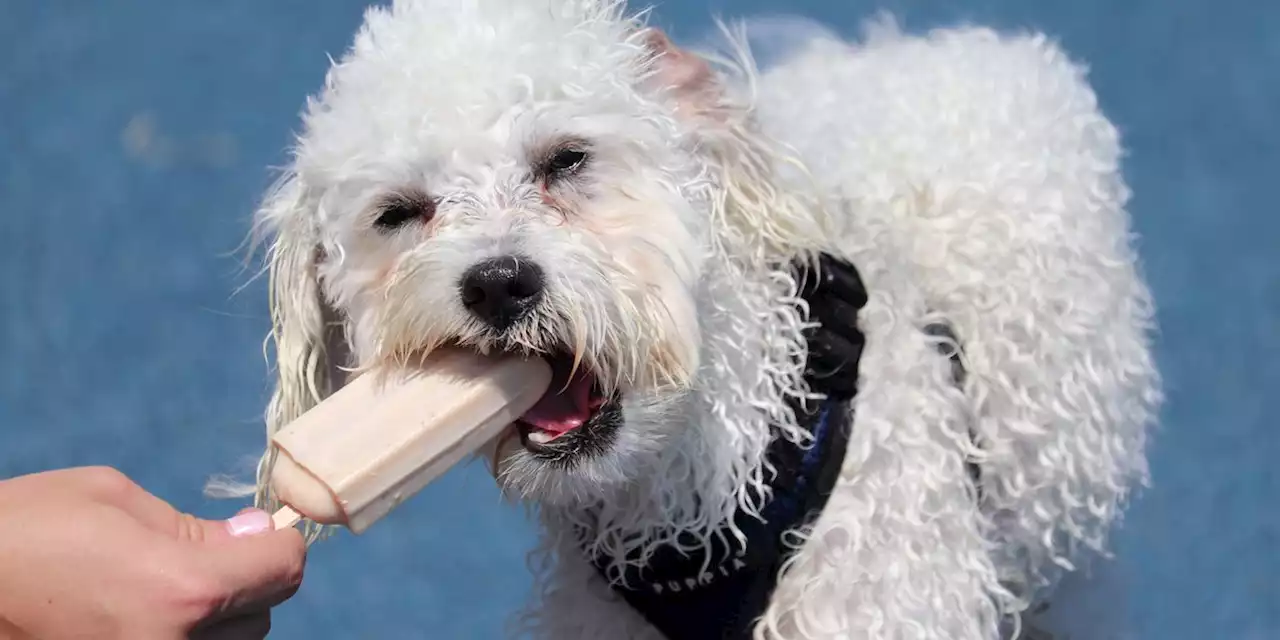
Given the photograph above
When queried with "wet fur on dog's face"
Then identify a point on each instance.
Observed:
(545, 195)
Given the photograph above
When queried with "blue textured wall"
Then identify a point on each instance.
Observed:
(135, 137)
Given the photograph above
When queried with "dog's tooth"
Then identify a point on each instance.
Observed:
(539, 437)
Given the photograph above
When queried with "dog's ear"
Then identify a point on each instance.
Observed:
(684, 76)
(300, 318)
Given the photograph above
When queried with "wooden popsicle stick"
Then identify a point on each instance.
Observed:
(286, 517)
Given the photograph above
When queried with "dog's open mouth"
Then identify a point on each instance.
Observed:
(574, 411)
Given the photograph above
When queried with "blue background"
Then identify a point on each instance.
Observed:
(135, 139)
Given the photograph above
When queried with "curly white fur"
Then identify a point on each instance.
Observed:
(984, 161)
(970, 177)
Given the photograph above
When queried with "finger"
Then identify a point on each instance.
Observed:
(10, 631)
(110, 486)
(95, 483)
(246, 627)
(250, 573)
(161, 517)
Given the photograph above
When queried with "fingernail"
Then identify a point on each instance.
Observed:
(249, 522)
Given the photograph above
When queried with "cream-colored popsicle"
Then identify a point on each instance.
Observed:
(381, 438)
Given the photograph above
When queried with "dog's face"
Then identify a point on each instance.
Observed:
(505, 179)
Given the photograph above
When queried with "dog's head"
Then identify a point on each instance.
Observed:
(541, 177)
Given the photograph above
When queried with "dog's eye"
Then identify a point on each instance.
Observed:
(564, 162)
(399, 211)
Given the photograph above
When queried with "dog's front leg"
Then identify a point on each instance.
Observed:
(899, 552)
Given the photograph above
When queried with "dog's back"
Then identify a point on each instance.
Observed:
(977, 169)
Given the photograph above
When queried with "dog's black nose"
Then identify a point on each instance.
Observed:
(500, 291)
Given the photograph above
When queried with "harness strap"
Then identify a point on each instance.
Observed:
(683, 600)
(687, 599)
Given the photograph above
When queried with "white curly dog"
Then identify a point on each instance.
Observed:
(557, 177)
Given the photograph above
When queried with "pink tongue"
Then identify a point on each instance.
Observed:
(563, 408)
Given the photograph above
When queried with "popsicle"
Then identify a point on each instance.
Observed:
(384, 436)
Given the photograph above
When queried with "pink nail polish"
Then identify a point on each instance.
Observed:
(249, 523)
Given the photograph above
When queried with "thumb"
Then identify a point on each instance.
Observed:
(188, 528)
(253, 566)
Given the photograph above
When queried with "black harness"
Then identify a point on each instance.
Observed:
(684, 600)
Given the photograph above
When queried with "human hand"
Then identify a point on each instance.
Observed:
(835, 294)
(86, 553)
